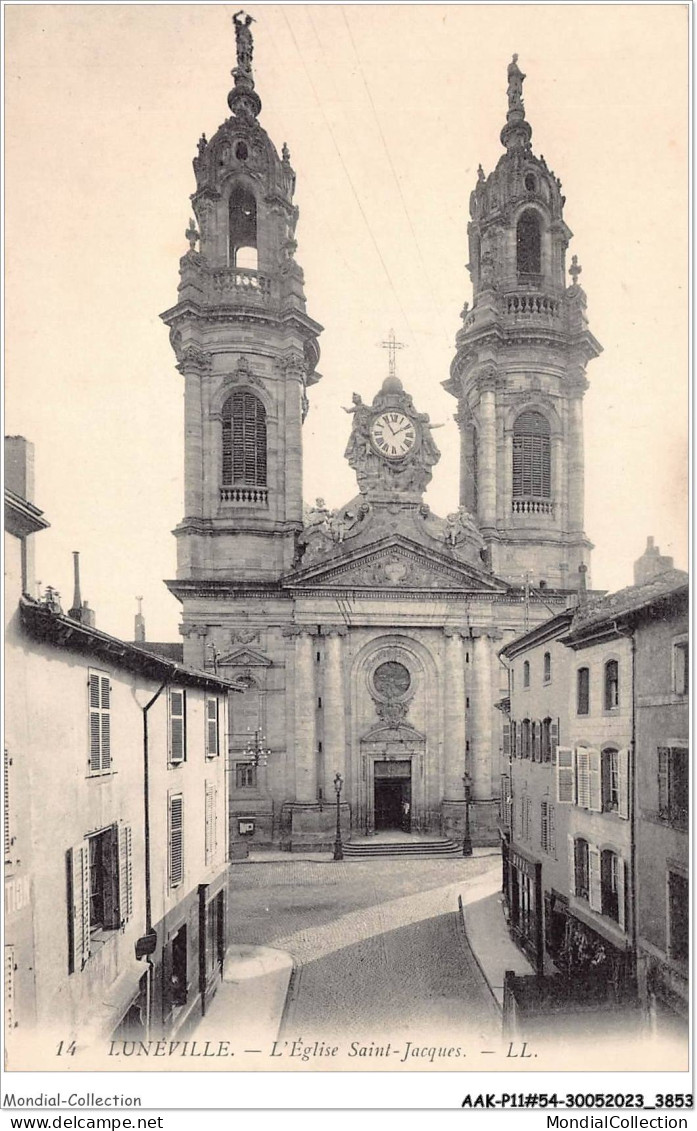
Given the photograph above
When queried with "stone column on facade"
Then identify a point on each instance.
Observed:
(461, 419)
(193, 366)
(454, 716)
(486, 453)
(575, 461)
(481, 736)
(290, 475)
(305, 720)
(334, 711)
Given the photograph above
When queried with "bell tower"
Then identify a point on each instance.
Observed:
(246, 348)
(519, 370)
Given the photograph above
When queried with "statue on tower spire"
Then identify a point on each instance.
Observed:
(517, 132)
(242, 99)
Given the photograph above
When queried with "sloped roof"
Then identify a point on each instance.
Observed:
(626, 602)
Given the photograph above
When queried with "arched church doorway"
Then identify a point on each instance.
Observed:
(392, 795)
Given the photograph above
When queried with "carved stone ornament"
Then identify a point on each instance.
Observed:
(391, 448)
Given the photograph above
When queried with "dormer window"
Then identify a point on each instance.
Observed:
(529, 244)
(243, 227)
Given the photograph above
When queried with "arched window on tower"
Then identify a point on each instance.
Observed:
(529, 244)
(243, 228)
(532, 460)
(244, 440)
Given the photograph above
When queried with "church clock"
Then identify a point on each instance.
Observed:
(393, 434)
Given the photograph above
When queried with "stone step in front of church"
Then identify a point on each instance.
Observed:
(442, 847)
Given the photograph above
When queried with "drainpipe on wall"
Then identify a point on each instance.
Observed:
(148, 942)
(631, 786)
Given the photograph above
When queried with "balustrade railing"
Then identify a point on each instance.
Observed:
(237, 281)
(532, 506)
(532, 305)
(246, 496)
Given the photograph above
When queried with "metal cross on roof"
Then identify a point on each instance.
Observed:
(392, 345)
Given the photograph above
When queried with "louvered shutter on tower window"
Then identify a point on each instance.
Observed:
(244, 440)
(176, 840)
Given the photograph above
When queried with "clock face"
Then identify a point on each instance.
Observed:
(393, 434)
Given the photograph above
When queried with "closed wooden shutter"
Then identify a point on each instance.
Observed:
(506, 740)
(177, 726)
(10, 996)
(565, 775)
(212, 748)
(79, 905)
(595, 797)
(571, 862)
(244, 440)
(544, 826)
(594, 879)
(623, 783)
(100, 722)
(554, 738)
(663, 782)
(583, 785)
(551, 829)
(176, 839)
(125, 856)
(211, 820)
(620, 887)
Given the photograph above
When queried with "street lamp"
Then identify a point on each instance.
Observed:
(256, 750)
(338, 847)
(467, 837)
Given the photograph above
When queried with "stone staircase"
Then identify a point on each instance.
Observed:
(373, 849)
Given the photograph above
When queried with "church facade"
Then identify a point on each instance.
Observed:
(368, 636)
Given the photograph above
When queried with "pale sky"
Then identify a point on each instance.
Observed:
(387, 110)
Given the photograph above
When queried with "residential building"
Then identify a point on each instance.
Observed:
(534, 815)
(114, 823)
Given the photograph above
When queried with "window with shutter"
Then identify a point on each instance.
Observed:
(544, 826)
(244, 440)
(623, 783)
(125, 857)
(582, 777)
(176, 839)
(212, 728)
(506, 740)
(554, 738)
(594, 879)
(583, 691)
(547, 667)
(681, 667)
(582, 868)
(532, 462)
(566, 775)
(612, 685)
(211, 806)
(612, 880)
(177, 726)
(673, 785)
(595, 794)
(99, 693)
(79, 905)
(678, 917)
(551, 829)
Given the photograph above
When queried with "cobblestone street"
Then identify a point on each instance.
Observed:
(376, 944)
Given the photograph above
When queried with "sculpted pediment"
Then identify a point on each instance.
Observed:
(244, 658)
(395, 563)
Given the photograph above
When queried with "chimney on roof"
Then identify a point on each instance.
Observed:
(582, 589)
(80, 610)
(19, 467)
(651, 563)
(139, 630)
